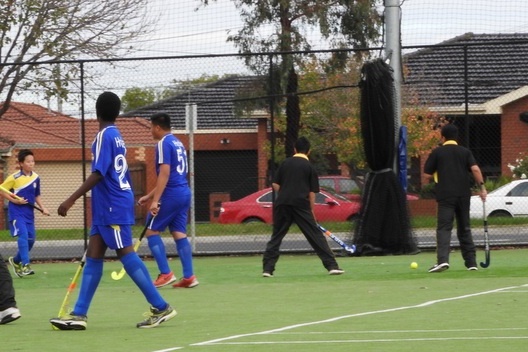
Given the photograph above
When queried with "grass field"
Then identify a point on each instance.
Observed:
(380, 304)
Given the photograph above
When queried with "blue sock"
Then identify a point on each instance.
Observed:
(138, 272)
(31, 242)
(93, 271)
(23, 250)
(185, 253)
(157, 248)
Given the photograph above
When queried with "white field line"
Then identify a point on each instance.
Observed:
(290, 327)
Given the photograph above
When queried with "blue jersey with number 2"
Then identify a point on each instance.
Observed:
(112, 197)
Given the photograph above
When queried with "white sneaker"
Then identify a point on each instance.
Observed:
(8, 315)
(337, 271)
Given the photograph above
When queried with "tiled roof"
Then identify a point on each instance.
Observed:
(215, 106)
(436, 74)
(31, 126)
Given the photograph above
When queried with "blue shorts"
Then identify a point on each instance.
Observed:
(173, 214)
(114, 236)
(21, 227)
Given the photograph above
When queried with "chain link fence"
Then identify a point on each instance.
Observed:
(238, 125)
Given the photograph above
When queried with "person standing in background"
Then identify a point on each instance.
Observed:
(24, 186)
(450, 166)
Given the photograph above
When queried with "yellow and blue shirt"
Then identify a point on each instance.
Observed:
(24, 186)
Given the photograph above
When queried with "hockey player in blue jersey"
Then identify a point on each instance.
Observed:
(169, 204)
(112, 217)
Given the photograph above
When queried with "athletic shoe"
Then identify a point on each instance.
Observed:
(187, 283)
(336, 271)
(26, 270)
(164, 279)
(472, 268)
(70, 322)
(156, 317)
(17, 268)
(267, 274)
(438, 268)
(8, 315)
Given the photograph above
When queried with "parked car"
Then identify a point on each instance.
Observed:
(510, 200)
(258, 206)
(347, 187)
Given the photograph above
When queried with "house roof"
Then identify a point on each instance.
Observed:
(27, 125)
(215, 105)
(437, 73)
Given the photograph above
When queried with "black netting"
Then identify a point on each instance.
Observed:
(384, 225)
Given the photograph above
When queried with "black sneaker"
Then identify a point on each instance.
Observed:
(70, 322)
(156, 317)
(438, 268)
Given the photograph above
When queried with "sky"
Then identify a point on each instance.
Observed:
(181, 30)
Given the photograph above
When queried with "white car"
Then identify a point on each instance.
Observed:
(510, 200)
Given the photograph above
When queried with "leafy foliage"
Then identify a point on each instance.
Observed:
(34, 31)
(519, 168)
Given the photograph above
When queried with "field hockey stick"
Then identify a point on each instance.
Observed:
(66, 301)
(486, 239)
(119, 275)
(20, 198)
(349, 249)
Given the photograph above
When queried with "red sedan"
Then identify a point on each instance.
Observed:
(258, 207)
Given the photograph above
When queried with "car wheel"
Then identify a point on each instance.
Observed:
(500, 213)
(249, 220)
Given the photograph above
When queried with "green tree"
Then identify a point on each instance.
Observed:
(344, 23)
(33, 31)
(135, 98)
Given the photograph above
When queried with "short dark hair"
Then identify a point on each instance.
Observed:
(107, 106)
(22, 154)
(450, 132)
(302, 145)
(161, 119)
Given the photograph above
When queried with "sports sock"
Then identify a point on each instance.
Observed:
(23, 249)
(138, 272)
(157, 249)
(183, 247)
(92, 273)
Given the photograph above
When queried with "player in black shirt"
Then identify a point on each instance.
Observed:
(296, 183)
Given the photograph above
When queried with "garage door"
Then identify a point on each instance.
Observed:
(58, 181)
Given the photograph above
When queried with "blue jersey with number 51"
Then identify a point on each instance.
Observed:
(171, 151)
(112, 197)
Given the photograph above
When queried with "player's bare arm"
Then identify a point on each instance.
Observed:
(91, 181)
(161, 183)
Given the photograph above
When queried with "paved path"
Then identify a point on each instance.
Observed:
(251, 244)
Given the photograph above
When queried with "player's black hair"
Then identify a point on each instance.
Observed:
(107, 106)
(22, 155)
(302, 145)
(449, 132)
(161, 119)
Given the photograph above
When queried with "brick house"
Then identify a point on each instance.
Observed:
(55, 140)
(230, 160)
(490, 73)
